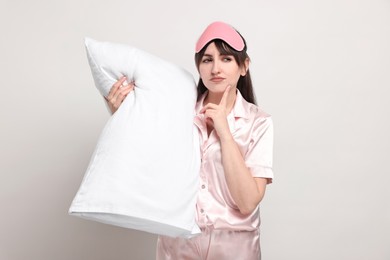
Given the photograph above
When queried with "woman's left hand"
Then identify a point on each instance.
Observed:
(216, 115)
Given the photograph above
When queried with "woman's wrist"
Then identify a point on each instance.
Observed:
(226, 137)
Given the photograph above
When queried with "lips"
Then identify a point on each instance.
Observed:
(217, 79)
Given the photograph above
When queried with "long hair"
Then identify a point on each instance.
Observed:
(244, 83)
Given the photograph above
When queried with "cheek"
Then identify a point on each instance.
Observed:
(202, 71)
(235, 75)
(233, 79)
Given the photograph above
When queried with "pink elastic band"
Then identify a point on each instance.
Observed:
(223, 31)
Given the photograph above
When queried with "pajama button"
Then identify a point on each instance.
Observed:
(203, 186)
(201, 211)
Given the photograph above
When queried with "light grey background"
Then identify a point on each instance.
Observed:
(321, 68)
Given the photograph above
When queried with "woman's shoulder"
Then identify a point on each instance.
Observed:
(260, 119)
(257, 119)
(258, 112)
(255, 112)
(259, 122)
(250, 110)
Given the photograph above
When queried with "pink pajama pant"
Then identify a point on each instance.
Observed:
(212, 244)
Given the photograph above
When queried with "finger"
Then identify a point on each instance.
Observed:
(224, 98)
(125, 83)
(115, 87)
(122, 81)
(208, 106)
(209, 114)
(127, 88)
(122, 92)
(125, 91)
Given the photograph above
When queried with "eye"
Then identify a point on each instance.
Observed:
(227, 59)
(206, 60)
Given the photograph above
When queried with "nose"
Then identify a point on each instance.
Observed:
(216, 67)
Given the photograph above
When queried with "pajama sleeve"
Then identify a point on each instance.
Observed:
(260, 151)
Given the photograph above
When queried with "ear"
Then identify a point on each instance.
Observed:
(245, 68)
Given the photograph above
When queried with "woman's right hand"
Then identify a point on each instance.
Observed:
(118, 93)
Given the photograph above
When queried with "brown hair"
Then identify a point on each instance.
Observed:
(244, 83)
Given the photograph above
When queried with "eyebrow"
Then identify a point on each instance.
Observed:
(209, 55)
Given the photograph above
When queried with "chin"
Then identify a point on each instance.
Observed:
(217, 88)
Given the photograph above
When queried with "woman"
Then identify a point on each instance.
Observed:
(236, 147)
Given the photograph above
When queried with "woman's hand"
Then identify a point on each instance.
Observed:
(118, 93)
(216, 115)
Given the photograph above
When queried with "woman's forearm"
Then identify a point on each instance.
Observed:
(246, 190)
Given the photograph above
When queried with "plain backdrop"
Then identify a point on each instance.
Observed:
(321, 68)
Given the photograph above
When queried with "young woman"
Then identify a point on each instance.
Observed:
(236, 140)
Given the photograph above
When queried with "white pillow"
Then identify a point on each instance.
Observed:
(145, 168)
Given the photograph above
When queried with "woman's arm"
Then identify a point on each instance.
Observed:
(246, 190)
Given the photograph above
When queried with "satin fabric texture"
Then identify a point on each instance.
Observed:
(212, 244)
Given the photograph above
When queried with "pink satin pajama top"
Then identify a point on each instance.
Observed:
(253, 132)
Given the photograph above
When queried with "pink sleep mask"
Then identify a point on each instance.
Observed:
(222, 31)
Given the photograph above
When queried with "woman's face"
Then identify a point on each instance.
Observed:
(217, 71)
